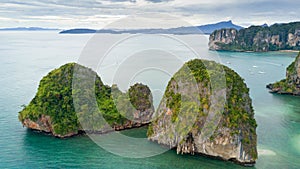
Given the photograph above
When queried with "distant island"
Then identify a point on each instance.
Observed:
(264, 38)
(87, 31)
(28, 29)
(64, 109)
(206, 29)
(78, 31)
(291, 84)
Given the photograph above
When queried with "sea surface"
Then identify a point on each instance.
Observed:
(28, 56)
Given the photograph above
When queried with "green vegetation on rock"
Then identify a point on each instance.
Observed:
(140, 97)
(257, 38)
(173, 122)
(291, 84)
(54, 98)
(57, 98)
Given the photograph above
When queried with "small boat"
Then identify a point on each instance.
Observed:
(260, 72)
(255, 66)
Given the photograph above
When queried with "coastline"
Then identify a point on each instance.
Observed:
(198, 154)
(288, 51)
(249, 51)
(279, 91)
(87, 132)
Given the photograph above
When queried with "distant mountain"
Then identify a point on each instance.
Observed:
(210, 28)
(206, 29)
(28, 29)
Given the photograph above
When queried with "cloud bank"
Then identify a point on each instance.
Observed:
(98, 13)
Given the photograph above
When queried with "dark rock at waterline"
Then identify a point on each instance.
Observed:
(291, 84)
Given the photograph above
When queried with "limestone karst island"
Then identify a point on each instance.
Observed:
(228, 135)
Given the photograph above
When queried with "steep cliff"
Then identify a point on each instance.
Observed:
(291, 84)
(193, 118)
(223, 36)
(257, 38)
(52, 110)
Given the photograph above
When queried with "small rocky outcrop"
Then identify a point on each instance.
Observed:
(141, 99)
(206, 112)
(64, 109)
(257, 38)
(291, 84)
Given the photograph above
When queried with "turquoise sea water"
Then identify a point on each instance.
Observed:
(27, 56)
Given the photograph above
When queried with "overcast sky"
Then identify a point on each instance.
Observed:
(97, 13)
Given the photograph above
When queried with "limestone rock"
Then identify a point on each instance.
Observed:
(257, 38)
(63, 108)
(291, 84)
(197, 116)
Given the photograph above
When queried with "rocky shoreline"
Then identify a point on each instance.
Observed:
(43, 125)
(279, 90)
(291, 84)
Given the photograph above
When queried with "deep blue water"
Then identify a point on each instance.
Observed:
(28, 56)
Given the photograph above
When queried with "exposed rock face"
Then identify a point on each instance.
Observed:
(42, 124)
(290, 85)
(293, 72)
(207, 125)
(52, 110)
(257, 38)
(294, 39)
(225, 36)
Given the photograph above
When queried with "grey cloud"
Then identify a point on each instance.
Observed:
(49, 3)
(158, 1)
(245, 11)
(58, 8)
(133, 1)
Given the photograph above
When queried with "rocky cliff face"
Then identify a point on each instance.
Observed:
(193, 118)
(293, 72)
(52, 110)
(44, 124)
(224, 36)
(257, 38)
(290, 85)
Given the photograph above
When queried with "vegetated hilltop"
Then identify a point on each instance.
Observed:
(207, 112)
(52, 110)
